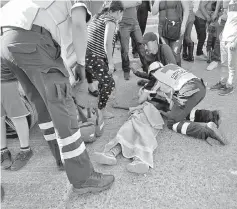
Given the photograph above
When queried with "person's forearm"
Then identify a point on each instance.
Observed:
(185, 12)
(141, 74)
(203, 9)
(155, 8)
(108, 41)
(109, 51)
(128, 4)
(235, 42)
(79, 35)
(218, 6)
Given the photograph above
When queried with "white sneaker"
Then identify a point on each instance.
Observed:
(105, 158)
(212, 65)
(137, 166)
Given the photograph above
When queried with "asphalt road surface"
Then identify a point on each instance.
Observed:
(188, 173)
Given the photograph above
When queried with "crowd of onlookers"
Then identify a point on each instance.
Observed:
(215, 23)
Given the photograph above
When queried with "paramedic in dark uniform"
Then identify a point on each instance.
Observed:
(37, 39)
(182, 91)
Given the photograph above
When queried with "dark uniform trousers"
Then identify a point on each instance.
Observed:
(185, 119)
(34, 57)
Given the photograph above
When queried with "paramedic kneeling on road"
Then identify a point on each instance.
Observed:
(33, 35)
(182, 91)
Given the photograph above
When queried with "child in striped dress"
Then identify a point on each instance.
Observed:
(99, 59)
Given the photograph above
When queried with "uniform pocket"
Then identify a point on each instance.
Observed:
(51, 48)
(26, 56)
(23, 48)
(31, 56)
(59, 94)
(59, 91)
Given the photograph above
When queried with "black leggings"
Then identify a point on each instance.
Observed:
(97, 68)
(89, 77)
(200, 26)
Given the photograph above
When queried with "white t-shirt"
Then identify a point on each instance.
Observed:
(230, 30)
(53, 15)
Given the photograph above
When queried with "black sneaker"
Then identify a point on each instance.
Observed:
(97, 182)
(21, 159)
(6, 159)
(217, 86)
(226, 91)
(94, 93)
(185, 56)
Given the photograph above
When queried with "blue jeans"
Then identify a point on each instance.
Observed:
(200, 25)
(125, 31)
(142, 14)
(216, 50)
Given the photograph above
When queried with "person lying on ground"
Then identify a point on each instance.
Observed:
(182, 91)
(136, 139)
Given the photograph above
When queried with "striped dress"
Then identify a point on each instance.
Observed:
(96, 32)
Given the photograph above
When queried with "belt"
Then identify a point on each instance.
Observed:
(34, 28)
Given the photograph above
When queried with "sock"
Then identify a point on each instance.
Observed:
(4, 150)
(24, 149)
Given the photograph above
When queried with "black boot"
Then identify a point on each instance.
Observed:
(190, 52)
(185, 46)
